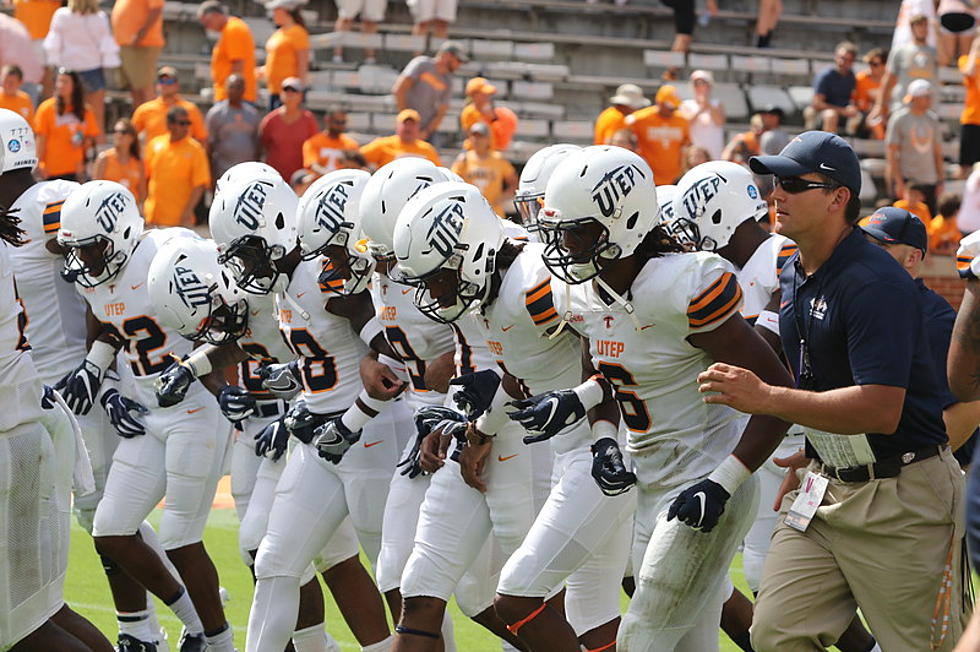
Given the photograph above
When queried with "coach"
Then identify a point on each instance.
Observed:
(877, 522)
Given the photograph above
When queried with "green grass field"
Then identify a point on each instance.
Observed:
(87, 592)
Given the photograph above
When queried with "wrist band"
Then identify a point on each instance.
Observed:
(495, 417)
(370, 330)
(395, 365)
(198, 362)
(355, 417)
(769, 320)
(730, 474)
(101, 354)
(591, 393)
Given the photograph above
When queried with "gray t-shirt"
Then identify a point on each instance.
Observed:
(429, 89)
(233, 135)
(773, 142)
(916, 137)
(908, 62)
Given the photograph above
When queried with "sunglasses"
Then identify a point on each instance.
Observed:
(167, 81)
(290, 89)
(181, 123)
(796, 185)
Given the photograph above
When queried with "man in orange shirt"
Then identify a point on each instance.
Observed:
(233, 53)
(150, 118)
(867, 88)
(177, 169)
(405, 142)
(11, 97)
(486, 169)
(501, 120)
(662, 135)
(324, 152)
(628, 98)
(138, 28)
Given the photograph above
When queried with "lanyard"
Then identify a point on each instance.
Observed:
(805, 378)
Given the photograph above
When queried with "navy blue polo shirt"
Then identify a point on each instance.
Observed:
(864, 325)
(835, 87)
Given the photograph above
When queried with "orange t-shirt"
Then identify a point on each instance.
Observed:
(944, 234)
(173, 171)
(151, 118)
(128, 175)
(386, 149)
(918, 209)
(609, 122)
(281, 59)
(971, 104)
(19, 102)
(660, 141)
(487, 174)
(236, 42)
(64, 151)
(502, 127)
(322, 150)
(36, 15)
(129, 15)
(864, 90)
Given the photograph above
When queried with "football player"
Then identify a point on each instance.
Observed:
(178, 451)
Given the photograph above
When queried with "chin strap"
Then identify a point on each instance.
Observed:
(620, 301)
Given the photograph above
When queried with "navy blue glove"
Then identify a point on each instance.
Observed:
(236, 403)
(333, 439)
(546, 415)
(608, 469)
(271, 441)
(80, 388)
(48, 400)
(412, 465)
(700, 506)
(300, 422)
(172, 384)
(120, 411)
(281, 379)
(476, 392)
(436, 417)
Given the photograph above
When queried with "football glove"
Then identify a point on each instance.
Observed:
(48, 400)
(548, 414)
(413, 468)
(333, 439)
(436, 417)
(476, 391)
(271, 441)
(300, 422)
(608, 469)
(281, 379)
(236, 403)
(172, 384)
(700, 506)
(968, 256)
(80, 388)
(124, 413)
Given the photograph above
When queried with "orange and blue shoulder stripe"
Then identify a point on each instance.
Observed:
(963, 266)
(540, 303)
(783, 256)
(52, 216)
(716, 302)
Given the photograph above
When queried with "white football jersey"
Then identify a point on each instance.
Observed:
(672, 433)
(16, 366)
(263, 342)
(55, 311)
(759, 278)
(329, 350)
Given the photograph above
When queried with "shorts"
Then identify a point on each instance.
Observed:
(683, 15)
(139, 65)
(426, 10)
(93, 80)
(969, 144)
(370, 10)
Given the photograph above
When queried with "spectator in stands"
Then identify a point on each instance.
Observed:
(696, 156)
(324, 151)
(480, 108)
(914, 201)
(706, 115)
(903, 28)
(624, 138)
(765, 23)
(662, 135)
(944, 232)
(915, 60)
(80, 39)
(177, 169)
(914, 152)
(968, 220)
(138, 28)
(11, 97)
(957, 27)
(407, 141)
(970, 116)
(867, 89)
(233, 128)
(628, 98)
(36, 17)
(485, 168)
(121, 162)
(65, 129)
(16, 48)
(150, 118)
(832, 91)
(774, 138)
(425, 85)
(372, 12)
(747, 144)
(284, 130)
(234, 52)
(684, 18)
(433, 16)
(287, 52)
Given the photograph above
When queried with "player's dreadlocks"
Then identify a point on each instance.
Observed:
(657, 243)
(9, 231)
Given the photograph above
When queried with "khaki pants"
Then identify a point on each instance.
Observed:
(882, 546)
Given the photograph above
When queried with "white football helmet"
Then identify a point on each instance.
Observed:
(529, 197)
(446, 241)
(193, 294)
(601, 201)
(100, 227)
(712, 200)
(329, 224)
(246, 171)
(17, 145)
(386, 193)
(254, 224)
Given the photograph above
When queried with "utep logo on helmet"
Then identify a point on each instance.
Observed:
(189, 287)
(108, 212)
(330, 207)
(614, 186)
(445, 228)
(701, 193)
(250, 203)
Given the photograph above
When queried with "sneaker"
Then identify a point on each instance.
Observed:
(129, 643)
(192, 642)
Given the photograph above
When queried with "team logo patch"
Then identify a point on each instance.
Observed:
(248, 208)
(331, 205)
(110, 210)
(446, 227)
(752, 191)
(13, 145)
(614, 186)
(189, 287)
(701, 193)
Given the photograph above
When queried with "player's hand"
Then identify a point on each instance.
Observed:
(968, 255)
(380, 382)
(548, 414)
(437, 418)
(48, 400)
(281, 379)
(80, 387)
(472, 462)
(271, 441)
(299, 421)
(791, 481)
(236, 403)
(473, 393)
(700, 506)
(435, 447)
(735, 387)
(124, 414)
(333, 439)
(413, 461)
(608, 468)
(172, 384)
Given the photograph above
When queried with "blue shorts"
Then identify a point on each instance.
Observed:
(92, 80)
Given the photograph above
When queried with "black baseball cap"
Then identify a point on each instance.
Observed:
(814, 151)
(894, 225)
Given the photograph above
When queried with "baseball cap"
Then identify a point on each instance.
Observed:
(480, 85)
(167, 71)
(408, 114)
(288, 5)
(667, 94)
(629, 95)
(774, 110)
(814, 151)
(480, 128)
(704, 76)
(293, 84)
(454, 48)
(917, 88)
(896, 226)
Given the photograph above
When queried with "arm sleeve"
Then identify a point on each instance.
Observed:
(240, 42)
(716, 296)
(539, 301)
(882, 321)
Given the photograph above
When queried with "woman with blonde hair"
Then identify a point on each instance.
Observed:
(121, 162)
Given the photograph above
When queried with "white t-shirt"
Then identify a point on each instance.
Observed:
(968, 220)
(77, 41)
(704, 132)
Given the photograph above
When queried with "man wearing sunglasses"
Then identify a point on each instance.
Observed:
(150, 118)
(178, 172)
(880, 468)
